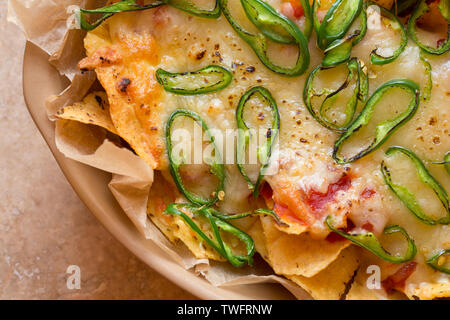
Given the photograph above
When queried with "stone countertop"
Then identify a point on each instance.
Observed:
(44, 227)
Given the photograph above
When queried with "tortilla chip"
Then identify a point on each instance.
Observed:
(428, 291)
(124, 64)
(291, 228)
(331, 283)
(85, 138)
(94, 109)
(416, 286)
(298, 255)
(257, 233)
(423, 291)
(359, 289)
(174, 228)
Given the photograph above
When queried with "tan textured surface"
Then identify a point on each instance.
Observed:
(44, 227)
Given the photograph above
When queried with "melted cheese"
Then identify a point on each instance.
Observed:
(181, 42)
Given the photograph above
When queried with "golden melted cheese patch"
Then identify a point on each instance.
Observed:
(124, 58)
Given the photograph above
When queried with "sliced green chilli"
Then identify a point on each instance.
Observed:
(362, 27)
(384, 129)
(108, 11)
(355, 74)
(267, 20)
(370, 242)
(264, 151)
(396, 24)
(216, 225)
(340, 50)
(337, 21)
(226, 217)
(131, 5)
(434, 261)
(206, 80)
(363, 82)
(421, 9)
(270, 213)
(445, 162)
(271, 23)
(407, 197)
(190, 7)
(316, 21)
(217, 166)
(258, 42)
(444, 8)
(429, 85)
(236, 216)
(308, 28)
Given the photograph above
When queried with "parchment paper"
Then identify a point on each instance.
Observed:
(50, 25)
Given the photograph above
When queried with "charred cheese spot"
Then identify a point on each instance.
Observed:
(102, 57)
(123, 84)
